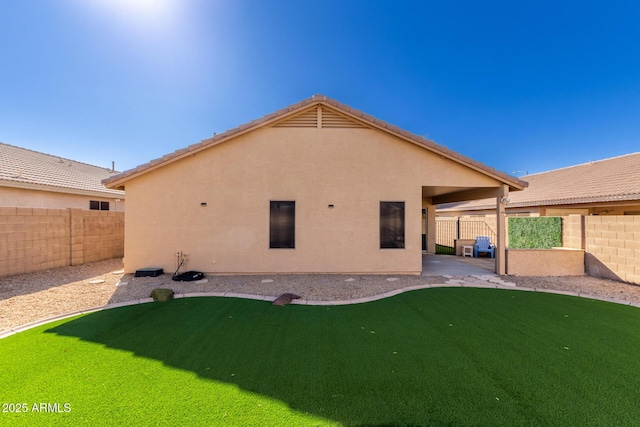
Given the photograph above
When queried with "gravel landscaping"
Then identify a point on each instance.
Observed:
(35, 296)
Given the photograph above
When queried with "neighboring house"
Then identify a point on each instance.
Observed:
(317, 187)
(29, 179)
(604, 187)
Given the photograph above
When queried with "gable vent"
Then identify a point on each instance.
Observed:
(320, 117)
(306, 119)
(331, 119)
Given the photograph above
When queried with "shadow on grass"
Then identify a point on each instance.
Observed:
(431, 357)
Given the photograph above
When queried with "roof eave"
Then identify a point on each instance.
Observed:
(515, 184)
(58, 189)
(118, 181)
(550, 202)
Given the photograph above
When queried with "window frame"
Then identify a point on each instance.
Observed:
(392, 236)
(282, 228)
(99, 205)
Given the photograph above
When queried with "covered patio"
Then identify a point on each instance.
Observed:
(435, 195)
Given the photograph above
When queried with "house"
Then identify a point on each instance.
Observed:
(29, 179)
(603, 187)
(316, 187)
(55, 212)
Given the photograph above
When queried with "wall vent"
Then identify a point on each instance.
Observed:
(332, 119)
(306, 119)
(320, 117)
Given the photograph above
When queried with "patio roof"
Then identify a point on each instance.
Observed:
(610, 180)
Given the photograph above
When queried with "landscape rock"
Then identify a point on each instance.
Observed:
(162, 294)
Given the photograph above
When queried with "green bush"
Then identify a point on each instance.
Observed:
(535, 232)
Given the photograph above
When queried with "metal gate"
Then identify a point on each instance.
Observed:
(449, 229)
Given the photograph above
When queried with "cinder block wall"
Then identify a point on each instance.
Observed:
(34, 239)
(103, 235)
(573, 231)
(612, 244)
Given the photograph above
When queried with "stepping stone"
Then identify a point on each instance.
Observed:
(392, 279)
(350, 279)
(266, 281)
(95, 282)
(285, 299)
(122, 283)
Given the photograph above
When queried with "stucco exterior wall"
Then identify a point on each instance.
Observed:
(351, 169)
(545, 262)
(27, 198)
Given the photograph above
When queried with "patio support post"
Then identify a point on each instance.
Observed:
(430, 225)
(501, 252)
(431, 222)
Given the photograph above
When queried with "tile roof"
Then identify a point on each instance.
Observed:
(609, 180)
(20, 167)
(119, 180)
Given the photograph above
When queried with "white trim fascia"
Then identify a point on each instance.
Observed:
(65, 190)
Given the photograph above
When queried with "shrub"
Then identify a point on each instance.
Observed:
(162, 294)
(535, 232)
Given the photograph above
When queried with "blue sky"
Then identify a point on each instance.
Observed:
(519, 86)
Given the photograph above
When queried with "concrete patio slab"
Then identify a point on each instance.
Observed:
(451, 265)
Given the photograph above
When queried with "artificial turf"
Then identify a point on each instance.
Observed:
(442, 356)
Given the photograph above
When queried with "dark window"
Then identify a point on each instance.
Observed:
(282, 225)
(391, 225)
(95, 205)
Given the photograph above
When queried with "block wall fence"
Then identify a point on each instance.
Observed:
(34, 239)
(611, 244)
(612, 247)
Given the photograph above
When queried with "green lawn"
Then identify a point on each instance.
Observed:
(447, 250)
(442, 356)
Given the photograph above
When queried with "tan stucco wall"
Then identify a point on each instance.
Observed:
(545, 262)
(26, 198)
(352, 169)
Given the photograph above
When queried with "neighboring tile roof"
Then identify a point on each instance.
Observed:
(609, 180)
(119, 180)
(24, 168)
